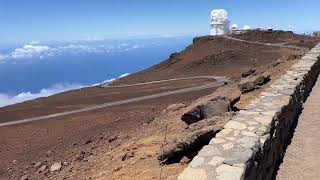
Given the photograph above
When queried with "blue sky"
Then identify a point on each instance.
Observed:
(26, 20)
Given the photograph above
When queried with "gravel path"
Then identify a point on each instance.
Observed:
(302, 160)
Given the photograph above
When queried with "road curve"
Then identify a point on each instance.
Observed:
(219, 82)
(106, 85)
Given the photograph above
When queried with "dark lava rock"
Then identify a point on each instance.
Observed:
(194, 115)
(261, 80)
(217, 106)
(112, 138)
(88, 141)
(248, 73)
(247, 87)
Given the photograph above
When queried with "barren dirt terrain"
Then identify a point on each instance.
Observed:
(126, 141)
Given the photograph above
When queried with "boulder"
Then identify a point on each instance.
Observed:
(193, 116)
(216, 106)
(248, 72)
(199, 134)
(37, 164)
(261, 80)
(247, 87)
(42, 169)
(56, 167)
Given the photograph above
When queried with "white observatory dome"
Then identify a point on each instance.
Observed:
(219, 22)
(246, 27)
(234, 26)
(219, 15)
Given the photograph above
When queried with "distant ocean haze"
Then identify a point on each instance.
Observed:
(37, 69)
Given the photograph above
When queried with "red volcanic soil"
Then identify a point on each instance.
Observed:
(219, 56)
(122, 142)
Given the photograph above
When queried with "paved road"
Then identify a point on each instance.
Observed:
(302, 159)
(266, 44)
(106, 85)
(219, 82)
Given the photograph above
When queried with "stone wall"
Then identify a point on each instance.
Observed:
(251, 145)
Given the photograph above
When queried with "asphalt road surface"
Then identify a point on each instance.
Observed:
(219, 81)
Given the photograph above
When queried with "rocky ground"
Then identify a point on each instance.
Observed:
(147, 140)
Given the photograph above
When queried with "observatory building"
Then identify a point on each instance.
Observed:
(219, 22)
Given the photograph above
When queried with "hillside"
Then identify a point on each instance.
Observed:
(124, 141)
(220, 56)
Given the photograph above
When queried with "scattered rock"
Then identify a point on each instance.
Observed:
(216, 106)
(48, 153)
(24, 177)
(126, 156)
(275, 64)
(254, 84)
(81, 156)
(37, 164)
(193, 116)
(65, 163)
(56, 167)
(248, 72)
(261, 80)
(185, 160)
(247, 87)
(14, 162)
(112, 138)
(201, 133)
(117, 169)
(88, 141)
(42, 169)
(175, 107)
(133, 162)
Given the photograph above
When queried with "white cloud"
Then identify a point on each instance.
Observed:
(29, 51)
(6, 100)
(35, 50)
(2, 57)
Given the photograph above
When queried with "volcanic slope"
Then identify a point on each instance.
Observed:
(217, 55)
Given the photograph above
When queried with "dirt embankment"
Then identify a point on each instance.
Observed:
(124, 142)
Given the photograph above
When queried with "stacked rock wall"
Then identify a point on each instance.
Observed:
(251, 145)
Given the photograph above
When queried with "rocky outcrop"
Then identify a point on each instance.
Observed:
(198, 134)
(254, 84)
(248, 72)
(252, 144)
(214, 107)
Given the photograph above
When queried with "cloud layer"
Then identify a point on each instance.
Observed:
(35, 50)
(6, 100)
